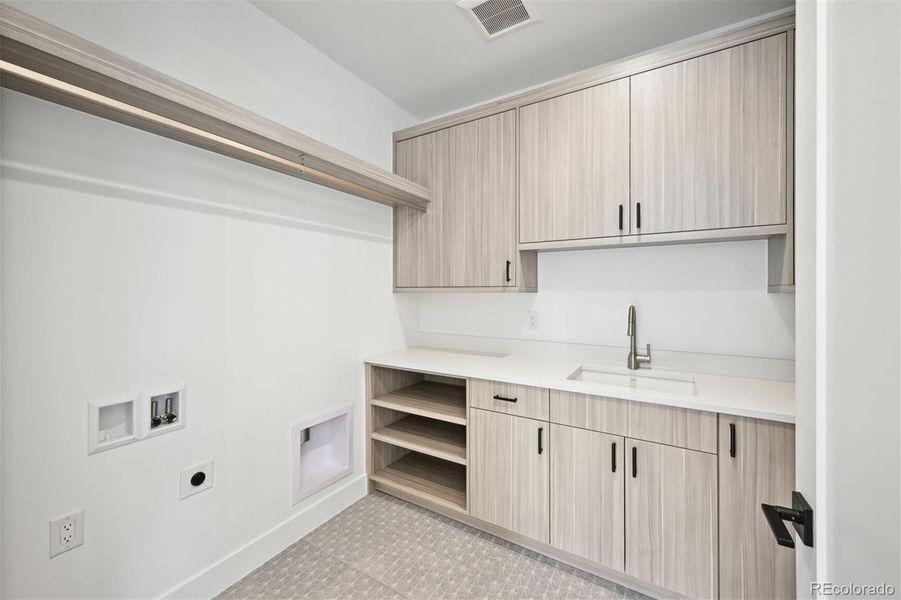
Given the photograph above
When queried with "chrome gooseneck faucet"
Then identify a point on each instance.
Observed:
(635, 359)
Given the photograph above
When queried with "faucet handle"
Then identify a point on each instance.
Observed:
(648, 346)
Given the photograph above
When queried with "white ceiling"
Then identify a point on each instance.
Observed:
(428, 56)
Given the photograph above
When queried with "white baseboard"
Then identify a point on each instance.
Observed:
(232, 567)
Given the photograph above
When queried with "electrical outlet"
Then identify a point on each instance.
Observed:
(196, 478)
(532, 319)
(66, 532)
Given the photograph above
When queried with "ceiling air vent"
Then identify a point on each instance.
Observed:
(496, 17)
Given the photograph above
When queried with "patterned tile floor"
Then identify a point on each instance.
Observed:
(384, 548)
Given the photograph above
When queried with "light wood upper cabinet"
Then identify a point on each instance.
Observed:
(671, 518)
(574, 165)
(762, 470)
(469, 231)
(709, 140)
(587, 495)
(509, 477)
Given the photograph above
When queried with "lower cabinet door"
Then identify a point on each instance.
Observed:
(671, 518)
(587, 495)
(756, 466)
(509, 472)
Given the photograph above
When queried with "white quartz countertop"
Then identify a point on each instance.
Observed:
(747, 397)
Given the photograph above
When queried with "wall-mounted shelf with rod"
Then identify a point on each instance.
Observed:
(49, 63)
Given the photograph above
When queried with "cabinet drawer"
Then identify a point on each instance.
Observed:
(598, 413)
(509, 398)
(682, 427)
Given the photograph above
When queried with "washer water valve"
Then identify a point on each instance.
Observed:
(171, 403)
(170, 416)
(155, 420)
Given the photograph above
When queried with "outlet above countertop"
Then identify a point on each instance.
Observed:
(741, 396)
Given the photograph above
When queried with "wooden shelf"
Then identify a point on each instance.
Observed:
(428, 478)
(417, 440)
(428, 436)
(47, 62)
(441, 401)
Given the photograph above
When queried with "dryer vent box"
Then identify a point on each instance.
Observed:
(321, 453)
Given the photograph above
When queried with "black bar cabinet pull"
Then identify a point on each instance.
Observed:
(638, 215)
(613, 452)
(504, 398)
(508, 270)
(732, 440)
(540, 447)
(634, 461)
(620, 217)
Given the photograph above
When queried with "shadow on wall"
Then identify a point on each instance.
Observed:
(104, 158)
(702, 298)
(738, 266)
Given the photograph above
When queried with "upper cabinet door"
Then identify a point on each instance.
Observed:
(709, 141)
(574, 165)
(469, 231)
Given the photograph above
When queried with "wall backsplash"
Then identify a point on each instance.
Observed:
(698, 299)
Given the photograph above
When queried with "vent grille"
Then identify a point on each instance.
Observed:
(497, 16)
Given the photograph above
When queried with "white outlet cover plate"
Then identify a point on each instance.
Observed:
(532, 319)
(57, 543)
(189, 490)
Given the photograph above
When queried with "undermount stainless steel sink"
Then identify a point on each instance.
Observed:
(644, 382)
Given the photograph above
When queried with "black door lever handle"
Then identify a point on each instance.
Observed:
(801, 515)
(774, 516)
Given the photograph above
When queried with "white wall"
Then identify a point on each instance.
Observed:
(130, 261)
(808, 100)
(693, 301)
(859, 266)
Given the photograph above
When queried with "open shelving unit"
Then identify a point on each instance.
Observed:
(440, 401)
(417, 435)
(437, 480)
(427, 436)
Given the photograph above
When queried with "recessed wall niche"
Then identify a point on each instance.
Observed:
(321, 453)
